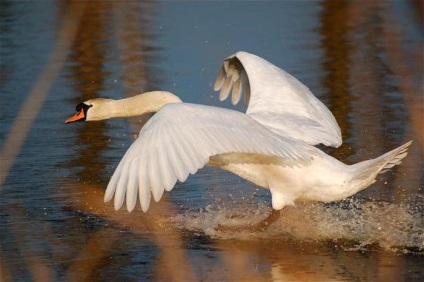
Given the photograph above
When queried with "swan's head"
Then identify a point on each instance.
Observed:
(100, 109)
(94, 109)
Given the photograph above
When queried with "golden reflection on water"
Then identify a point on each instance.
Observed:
(352, 48)
(87, 71)
(334, 29)
(362, 41)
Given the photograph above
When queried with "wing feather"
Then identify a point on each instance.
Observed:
(277, 100)
(165, 165)
(181, 161)
(144, 190)
(237, 91)
(121, 188)
(177, 162)
(132, 188)
(153, 173)
(180, 138)
(112, 183)
(226, 88)
(220, 79)
(195, 150)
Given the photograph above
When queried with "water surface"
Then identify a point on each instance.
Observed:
(364, 60)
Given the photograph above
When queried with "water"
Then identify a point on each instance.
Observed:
(364, 60)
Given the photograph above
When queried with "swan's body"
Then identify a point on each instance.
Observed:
(271, 145)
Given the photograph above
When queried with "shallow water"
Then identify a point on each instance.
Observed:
(362, 59)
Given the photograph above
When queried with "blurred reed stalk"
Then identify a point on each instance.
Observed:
(33, 103)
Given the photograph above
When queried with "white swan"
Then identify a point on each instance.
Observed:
(270, 145)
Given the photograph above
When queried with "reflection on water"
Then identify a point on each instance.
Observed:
(54, 224)
(88, 56)
(334, 30)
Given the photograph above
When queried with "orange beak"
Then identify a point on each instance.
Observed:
(78, 116)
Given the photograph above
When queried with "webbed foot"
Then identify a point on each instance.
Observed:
(257, 227)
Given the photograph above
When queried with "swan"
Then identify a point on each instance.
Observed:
(271, 145)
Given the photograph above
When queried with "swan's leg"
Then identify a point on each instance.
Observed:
(257, 227)
(272, 217)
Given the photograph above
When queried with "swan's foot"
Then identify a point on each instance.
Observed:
(258, 227)
(272, 217)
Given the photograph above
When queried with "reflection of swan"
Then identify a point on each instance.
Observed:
(270, 145)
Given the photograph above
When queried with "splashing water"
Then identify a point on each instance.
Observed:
(353, 224)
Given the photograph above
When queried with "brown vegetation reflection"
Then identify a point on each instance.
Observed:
(357, 36)
(337, 48)
(363, 42)
(88, 57)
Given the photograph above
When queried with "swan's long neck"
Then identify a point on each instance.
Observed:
(149, 102)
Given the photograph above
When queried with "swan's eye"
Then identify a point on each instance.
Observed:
(81, 106)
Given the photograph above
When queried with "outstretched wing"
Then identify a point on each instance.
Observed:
(277, 100)
(179, 139)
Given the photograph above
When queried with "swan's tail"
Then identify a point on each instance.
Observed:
(366, 171)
